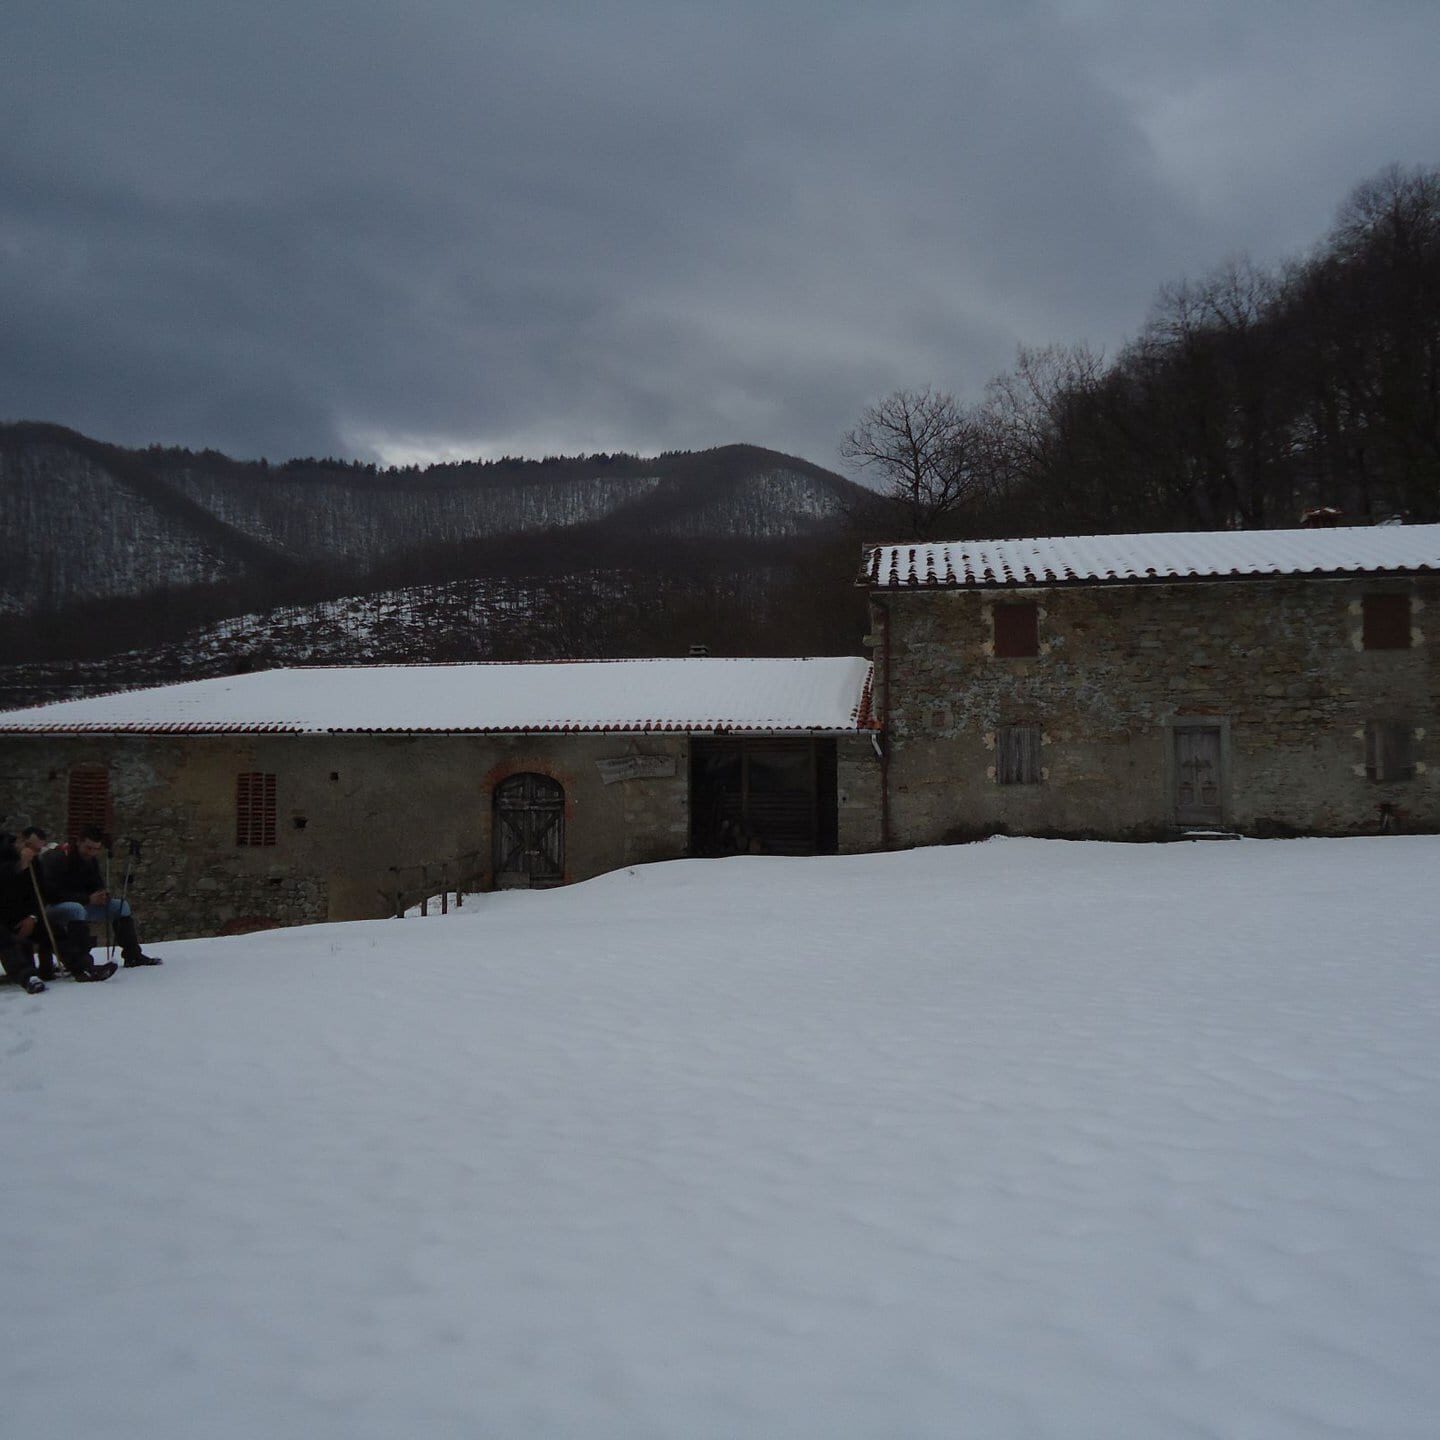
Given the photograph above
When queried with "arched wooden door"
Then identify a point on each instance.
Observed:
(529, 829)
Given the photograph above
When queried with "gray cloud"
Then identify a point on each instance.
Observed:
(367, 228)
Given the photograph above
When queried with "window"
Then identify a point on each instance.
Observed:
(254, 808)
(1387, 622)
(89, 799)
(1389, 750)
(1017, 755)
(1017, 629)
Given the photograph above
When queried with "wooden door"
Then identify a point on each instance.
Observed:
(529, 828)
(1197, 775)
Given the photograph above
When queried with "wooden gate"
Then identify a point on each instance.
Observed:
(1197, 775)
(529, 828)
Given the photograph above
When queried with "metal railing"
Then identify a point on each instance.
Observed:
(421, 883)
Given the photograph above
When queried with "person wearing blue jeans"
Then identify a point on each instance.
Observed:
(48, 932)
(75, 891)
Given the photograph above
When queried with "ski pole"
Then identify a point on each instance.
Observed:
(109, 937)
(44, 912)
(131, 856)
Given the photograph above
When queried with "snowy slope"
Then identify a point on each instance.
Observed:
(1021, 1139)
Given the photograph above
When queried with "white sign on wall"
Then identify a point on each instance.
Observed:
(636, 767)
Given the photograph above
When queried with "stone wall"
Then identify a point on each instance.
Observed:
(1276, 666)
(350, 807)
(857, 793)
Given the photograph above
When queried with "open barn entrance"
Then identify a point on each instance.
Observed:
(762, 797)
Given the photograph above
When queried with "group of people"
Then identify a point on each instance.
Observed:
(49, 896)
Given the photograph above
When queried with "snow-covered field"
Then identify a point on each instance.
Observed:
(1021, 1139)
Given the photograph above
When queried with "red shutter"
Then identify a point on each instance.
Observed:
(1387, 622)
(254, 808)
(89, 800)
(1017, 629)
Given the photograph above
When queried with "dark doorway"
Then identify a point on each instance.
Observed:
(529, 832)
(762, 797)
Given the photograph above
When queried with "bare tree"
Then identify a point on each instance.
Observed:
(1054, 433)
(926, 452)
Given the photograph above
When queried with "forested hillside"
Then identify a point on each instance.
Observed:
(140, 567)
(1248, 396)
(141, 521)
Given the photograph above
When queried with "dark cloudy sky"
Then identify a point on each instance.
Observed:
(408, 230)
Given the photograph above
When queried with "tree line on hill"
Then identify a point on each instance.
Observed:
(1247, 397)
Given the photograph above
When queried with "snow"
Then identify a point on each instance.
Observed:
(1020, 1139)
(1367, 549)
(822, 694)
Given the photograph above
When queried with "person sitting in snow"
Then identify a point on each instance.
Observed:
(75, 891)
(18, 918)
(59, 929)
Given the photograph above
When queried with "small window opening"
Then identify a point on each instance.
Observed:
(89, 799)
(1389, 750)
(1017, 629)
(1017, 755)
(254, 808)
(1386, 622)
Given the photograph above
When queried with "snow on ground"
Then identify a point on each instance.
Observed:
(1021, 1139)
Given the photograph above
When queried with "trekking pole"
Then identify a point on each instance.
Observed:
(109, 936)
(45, 915)
(132, 855)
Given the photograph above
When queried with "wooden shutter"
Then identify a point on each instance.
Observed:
(1389, 750)
(1017, 755)
(89, 799)
(1017, 629)
(254, 808)
(1387, 622)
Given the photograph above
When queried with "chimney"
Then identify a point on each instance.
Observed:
(1321, 517)
(698, 652)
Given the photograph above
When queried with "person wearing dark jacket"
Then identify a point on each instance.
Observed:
(75, 891)
(18, 918)
(57, 928)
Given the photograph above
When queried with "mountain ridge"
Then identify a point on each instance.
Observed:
(172, 518)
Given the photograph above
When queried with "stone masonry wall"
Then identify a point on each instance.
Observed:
(349, 807)
(857, 793)
(1276, 666)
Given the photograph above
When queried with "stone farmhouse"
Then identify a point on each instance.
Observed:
(1128, 687)
(1131, 686)
(288, 796)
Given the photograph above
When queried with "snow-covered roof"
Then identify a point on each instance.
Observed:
(828, 694)
(1136, 559)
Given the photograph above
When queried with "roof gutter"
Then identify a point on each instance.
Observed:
(882, 747)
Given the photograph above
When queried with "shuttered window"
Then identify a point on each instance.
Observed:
(254, 808)
(1389, 750)
(1387, 622)
(89, 799)
(1017, 629)
(1017, 755)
